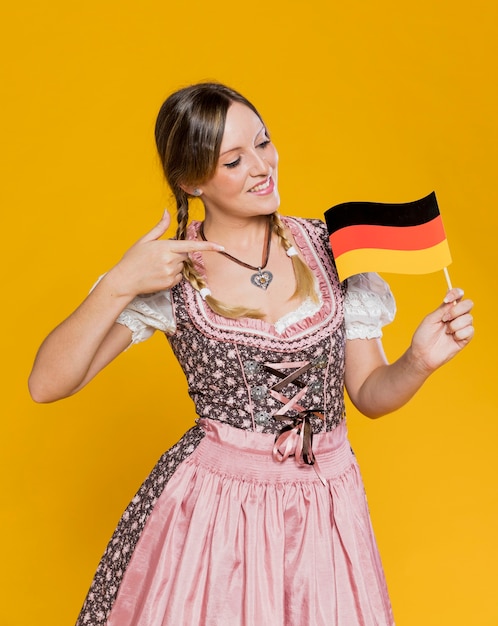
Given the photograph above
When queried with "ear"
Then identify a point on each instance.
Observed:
(191, 190)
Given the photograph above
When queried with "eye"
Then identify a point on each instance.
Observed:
(264, 143)
(232, 164)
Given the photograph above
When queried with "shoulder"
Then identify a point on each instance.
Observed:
(312, 238)
(305, 222)
(315, 229)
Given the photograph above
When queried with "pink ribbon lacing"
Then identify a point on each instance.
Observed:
(296, 439)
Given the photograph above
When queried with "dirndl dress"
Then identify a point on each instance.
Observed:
(258, 514)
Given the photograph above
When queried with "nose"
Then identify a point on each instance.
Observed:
(259, 165)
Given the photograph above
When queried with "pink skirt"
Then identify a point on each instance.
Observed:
(239, 539)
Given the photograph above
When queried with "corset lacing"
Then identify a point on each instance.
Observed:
(295, 439)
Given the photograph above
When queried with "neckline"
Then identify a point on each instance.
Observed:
(325, 288)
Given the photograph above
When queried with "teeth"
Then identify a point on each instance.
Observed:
(262, 186)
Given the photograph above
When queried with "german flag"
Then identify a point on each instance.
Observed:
(405, 238)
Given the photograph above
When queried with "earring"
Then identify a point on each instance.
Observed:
(196, 192)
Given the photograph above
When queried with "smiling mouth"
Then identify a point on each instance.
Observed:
(261, 186)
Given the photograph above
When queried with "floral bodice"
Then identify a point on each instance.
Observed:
(234, 368)
(255, 375)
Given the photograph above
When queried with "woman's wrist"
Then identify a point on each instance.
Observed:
(116, 287)
(417, 365)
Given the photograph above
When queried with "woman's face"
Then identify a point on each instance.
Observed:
(245, 181)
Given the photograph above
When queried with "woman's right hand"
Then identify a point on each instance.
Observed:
(153, 264)
(84, 343)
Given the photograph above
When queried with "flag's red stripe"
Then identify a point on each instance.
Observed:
(388, 237)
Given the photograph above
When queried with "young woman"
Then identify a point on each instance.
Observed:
(257, 515)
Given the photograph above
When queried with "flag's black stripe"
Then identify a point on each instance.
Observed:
(382, 214)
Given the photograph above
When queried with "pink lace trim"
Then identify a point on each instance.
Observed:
(325, 286)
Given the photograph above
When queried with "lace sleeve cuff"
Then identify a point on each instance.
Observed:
(148, 313)
(368, 306)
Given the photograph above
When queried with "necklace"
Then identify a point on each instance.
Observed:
(261, 279)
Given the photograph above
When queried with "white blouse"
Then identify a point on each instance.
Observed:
(368, 306)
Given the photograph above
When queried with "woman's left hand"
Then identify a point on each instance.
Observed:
(444, 332)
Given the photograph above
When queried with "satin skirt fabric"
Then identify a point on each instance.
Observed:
(239, 539)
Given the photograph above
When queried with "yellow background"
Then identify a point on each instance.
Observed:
(366, 100)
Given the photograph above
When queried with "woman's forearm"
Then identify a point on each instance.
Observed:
(390, 386)
(89, 338)
(376, 387)
(65, 358)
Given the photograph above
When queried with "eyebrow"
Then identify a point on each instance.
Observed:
(262, 129)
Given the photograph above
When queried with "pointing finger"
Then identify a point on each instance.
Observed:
(191, 245)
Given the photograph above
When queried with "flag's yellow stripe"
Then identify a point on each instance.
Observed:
(397, 261)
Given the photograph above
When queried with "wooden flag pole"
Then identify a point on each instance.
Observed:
(447, 276)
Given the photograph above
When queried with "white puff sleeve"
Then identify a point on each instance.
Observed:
(148, 313)
(368, 306)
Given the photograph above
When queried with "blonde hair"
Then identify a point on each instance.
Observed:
(189, 131)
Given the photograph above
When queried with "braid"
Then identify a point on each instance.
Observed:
(181, 214)
(279, 229)
(189, 271)
(305, 280)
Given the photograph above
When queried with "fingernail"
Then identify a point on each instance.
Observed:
(452, 296)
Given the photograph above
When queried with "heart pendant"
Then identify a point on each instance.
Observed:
(262, 279)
